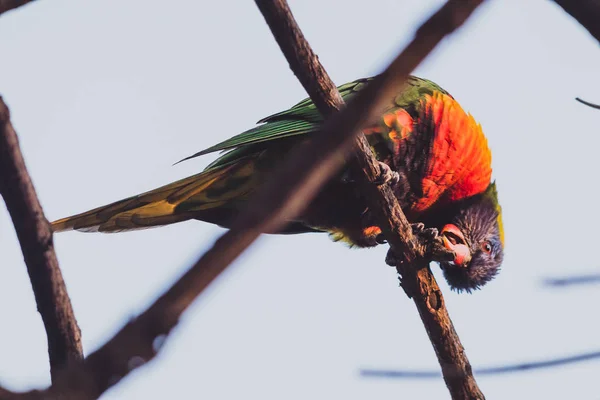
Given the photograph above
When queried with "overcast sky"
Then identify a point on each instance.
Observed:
(106, 95)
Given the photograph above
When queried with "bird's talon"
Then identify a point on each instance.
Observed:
(417, 227)
(425, 234)
(346, 177)
(430, 234)
(386, 175)
(381, 239)
(392, 259)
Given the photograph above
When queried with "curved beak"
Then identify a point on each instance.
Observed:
(454, 240)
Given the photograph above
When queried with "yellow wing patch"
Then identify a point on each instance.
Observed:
(153, 208)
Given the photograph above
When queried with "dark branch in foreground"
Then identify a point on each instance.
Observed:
(588, 103)
(417, 280)
(7, 5)
(284, 195)
(503, 369)
(586, 12)
(6, 394)
(35, 238)
(573, 280)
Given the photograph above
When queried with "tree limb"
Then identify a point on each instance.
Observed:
(575, 280)
(587, 103)
(499, 370)
(35, 238)
(417, 279)
(285, 194)
(7, 5)
(586, 12)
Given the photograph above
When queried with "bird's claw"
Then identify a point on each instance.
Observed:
(380, 239)
(434, 245)
(346, 178)
(386, 175)
(427, 237)
(392, 259)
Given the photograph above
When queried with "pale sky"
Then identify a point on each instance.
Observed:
(106, 95)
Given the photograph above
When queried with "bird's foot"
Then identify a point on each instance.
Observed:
(430, 239)
(392, 259)
(346, 178)
(425, 234)
(418, 229)
(380, 239)
(386, 175)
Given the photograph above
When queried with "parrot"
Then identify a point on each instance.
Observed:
(432, 153)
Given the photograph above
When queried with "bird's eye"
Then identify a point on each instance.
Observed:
(486, 247)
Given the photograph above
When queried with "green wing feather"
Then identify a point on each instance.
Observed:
(231, 176)
(304, 118)
(306, 109)
(301, 119)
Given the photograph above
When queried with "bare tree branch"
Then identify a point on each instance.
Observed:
(500, 370)
(288, 191)
(586, 12)
(6, 394)
(588, 103)
(282, 197)
(300, 56)
(7, 5)
(417, 279)
(573, 280)
(32, 395)
(35, 237)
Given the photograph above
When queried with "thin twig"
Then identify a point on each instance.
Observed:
(35, 238)
(7, 5)
(573, 280)
(586, 12)
(417, 279)
(499, 370)
(284, 195)
(587, 103)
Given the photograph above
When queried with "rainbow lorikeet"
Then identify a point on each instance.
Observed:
(435, 157)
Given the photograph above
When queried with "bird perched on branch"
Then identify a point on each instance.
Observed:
(432, 153)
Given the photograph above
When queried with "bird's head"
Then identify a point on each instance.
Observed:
(474, 233)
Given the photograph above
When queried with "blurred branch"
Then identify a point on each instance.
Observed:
(35, 238)
(33, 395)
(587, 103)
(503, 369)
(7, 5)
(586, 12)
(573, 280)
(285, 194)
(417, 280)
(5, 394)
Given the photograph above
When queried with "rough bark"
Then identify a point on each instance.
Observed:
(284, 195)
(417, 280)
(35, 238)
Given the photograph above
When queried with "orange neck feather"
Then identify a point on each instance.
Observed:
(459, 164)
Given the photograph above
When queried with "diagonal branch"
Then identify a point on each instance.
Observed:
(7, 5)
(586, 12)
(284, 195)
(35, 237)
(417, 279)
